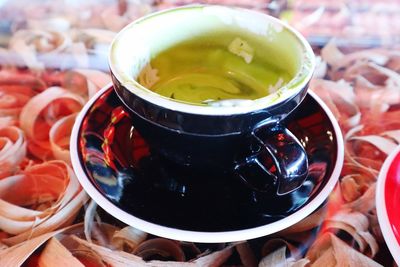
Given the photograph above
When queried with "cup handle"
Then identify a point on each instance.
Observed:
(288, 156)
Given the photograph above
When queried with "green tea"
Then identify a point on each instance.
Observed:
(201, 72)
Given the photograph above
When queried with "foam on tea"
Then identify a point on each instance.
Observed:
(203, 71)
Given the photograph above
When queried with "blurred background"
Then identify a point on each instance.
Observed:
(90, 25)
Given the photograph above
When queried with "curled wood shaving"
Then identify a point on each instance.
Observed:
(50, 189)
(38, 104)
(329, 250)
(375, 123)
(160, 247)
(128, 238)
(88, 220)
(97, 232)
(310, 222)
(339, 94)
(363, 176)
(16, 255)
(356, 224)
(118, 258)
(115, 21)
(59, 135)
(55, 252)
(77, 83)
(97, 78)
(331, 54)
(246, 254)
(393, 78)
(13, 98)
(12, 150)
(394, 134)
(350, 188)
(278, 258)
(96, 40)
(42, 112)
(79, 53)
(356, 180)
(310, 19)
(22, 81)
(374, 225)
(363, 164)
(215, 259)
(57, 47)
(365, 203)
(371, 159)
(29, 43)
(353, 131)
(383, 144)
(57, 220)
(336, 59)
(321, 68)
(273, 244)
(57, 24)
(379, 99)
(82, 253)
(7, 121)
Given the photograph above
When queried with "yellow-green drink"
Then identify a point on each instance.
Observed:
(211, 68)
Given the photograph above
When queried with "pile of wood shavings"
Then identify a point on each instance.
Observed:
(40, 195)
(351, 22)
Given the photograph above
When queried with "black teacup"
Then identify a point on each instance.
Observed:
(245, 134)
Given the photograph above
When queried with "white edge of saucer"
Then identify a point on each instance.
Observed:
(204, 237)
(383, 218)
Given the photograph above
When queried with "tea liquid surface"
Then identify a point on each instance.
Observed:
(201, 73)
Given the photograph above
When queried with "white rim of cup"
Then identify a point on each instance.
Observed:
(380, 203)
(261, 103)
(204, 237)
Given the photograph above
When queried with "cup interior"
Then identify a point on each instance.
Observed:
(266, 38)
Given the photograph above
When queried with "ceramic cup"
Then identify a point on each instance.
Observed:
(244, 136)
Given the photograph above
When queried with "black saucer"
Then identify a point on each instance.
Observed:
(120, 166)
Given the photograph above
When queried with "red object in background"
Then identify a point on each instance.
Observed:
(392, 196)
